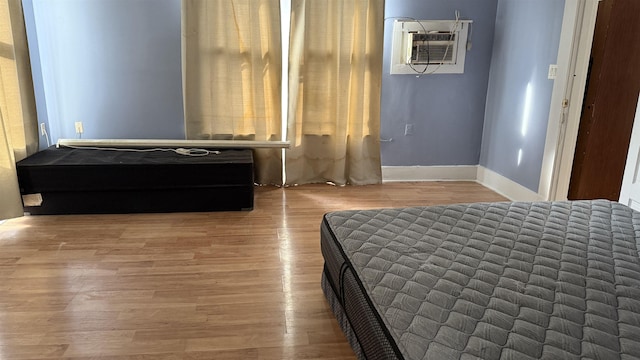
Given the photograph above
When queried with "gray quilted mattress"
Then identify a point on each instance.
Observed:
(545, 280)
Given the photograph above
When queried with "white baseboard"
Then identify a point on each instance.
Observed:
(488, 178)
(505, 187)
(429, 173)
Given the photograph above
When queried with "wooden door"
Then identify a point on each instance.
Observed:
(610, 103)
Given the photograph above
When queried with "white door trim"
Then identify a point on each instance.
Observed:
(629, 193)
(570, 33)
(562, 131)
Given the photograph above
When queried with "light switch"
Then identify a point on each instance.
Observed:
(553, 72)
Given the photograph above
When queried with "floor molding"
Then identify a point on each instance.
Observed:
(488, 178)
(505, 186)
(429, 173)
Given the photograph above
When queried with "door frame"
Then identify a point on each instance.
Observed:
(574, 53)
(630, 177)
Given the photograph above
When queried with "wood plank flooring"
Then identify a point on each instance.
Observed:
(226, 285)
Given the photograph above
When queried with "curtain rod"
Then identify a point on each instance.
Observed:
(221, 144)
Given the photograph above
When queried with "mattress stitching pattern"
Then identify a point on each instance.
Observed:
(501, 280)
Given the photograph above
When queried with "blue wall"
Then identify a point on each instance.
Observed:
(115, 65)
(447, 110)
(36, 70)
(519, 94)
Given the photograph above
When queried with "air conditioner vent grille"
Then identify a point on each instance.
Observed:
(432, 54)
(434, 36)
(432, 48)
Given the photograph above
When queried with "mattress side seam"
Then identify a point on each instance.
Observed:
(349, 266)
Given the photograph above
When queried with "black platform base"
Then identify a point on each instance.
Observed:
(81, 181)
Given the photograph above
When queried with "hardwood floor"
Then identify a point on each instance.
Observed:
(226, 285)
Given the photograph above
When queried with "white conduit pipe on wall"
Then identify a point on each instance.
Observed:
(219, 144)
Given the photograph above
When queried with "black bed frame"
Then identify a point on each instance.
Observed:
(84, 181)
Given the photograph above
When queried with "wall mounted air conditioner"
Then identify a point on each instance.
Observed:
(429, 46)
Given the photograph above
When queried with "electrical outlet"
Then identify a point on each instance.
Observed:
(79, 128)
(43, 129)
(408, 129)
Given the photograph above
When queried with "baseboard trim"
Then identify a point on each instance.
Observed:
(488, 178)
(505, 186)
(429, 173)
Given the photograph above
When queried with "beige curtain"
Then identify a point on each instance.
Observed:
(334, 92)
(18, 122)
(232, 74)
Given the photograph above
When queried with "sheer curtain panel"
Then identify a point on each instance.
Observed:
(232, 75)
(334, 92)
(18, 122)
